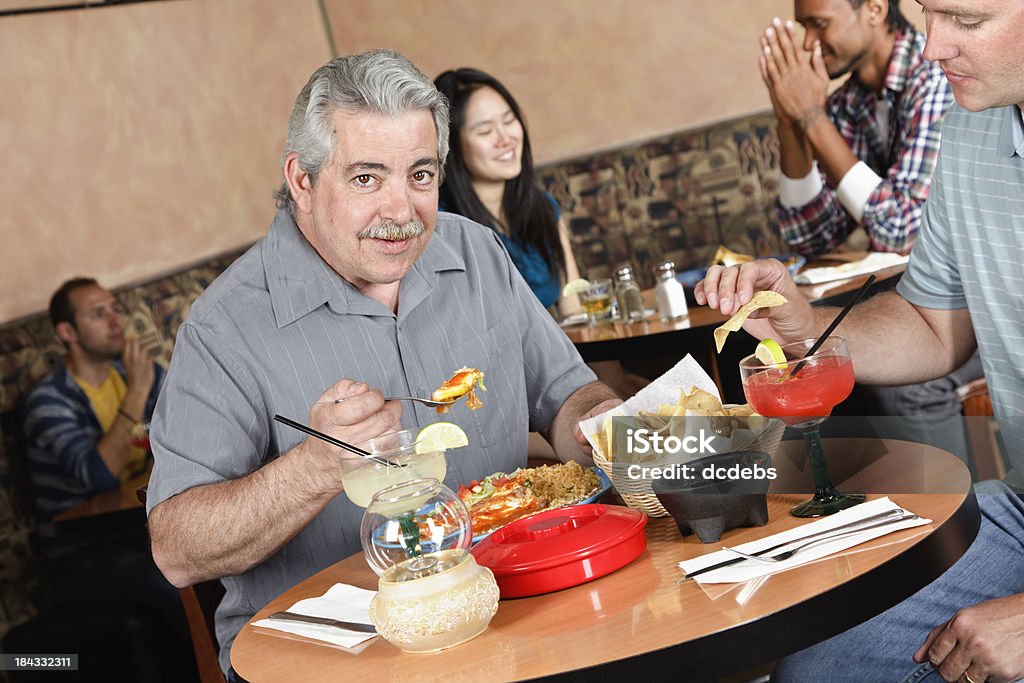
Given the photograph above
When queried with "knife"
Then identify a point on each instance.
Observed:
(889, 515)
(324, 621)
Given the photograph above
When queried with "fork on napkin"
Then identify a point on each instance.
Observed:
(752, 569)
(341, 602)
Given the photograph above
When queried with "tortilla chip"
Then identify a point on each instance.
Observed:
(700, 401)
(756, 422)
(743, 410)
(670, 410)
(608, 439)
(601, 444)
(765, 299)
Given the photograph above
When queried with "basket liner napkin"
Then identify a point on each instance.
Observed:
(684, 375)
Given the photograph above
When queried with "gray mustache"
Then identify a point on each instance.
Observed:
(393, 231)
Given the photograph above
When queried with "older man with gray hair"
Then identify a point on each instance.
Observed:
(359, 290)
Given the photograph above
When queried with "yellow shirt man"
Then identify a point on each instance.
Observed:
(106, 399)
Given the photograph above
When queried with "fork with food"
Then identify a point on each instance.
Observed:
(462, 383)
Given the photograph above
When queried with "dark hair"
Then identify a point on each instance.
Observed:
(894, 19)
(61, 310)
(532, 221)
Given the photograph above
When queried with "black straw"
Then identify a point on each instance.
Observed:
(330, 439)
(835, 323)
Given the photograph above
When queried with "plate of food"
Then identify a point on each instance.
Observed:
(501, 498)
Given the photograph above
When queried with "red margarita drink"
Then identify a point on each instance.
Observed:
(801, 391)
(812, 393)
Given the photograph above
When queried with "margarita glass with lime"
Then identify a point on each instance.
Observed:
(398, 460)
(781, 381)
(400, 456)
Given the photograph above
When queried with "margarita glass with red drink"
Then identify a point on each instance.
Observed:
(802, 392)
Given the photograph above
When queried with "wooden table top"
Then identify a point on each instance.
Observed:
(638, 618)
(702, 316)
(124, 497)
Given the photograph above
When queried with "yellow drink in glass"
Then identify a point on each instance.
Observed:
(363, 477)
(596, 301)
(598, 306)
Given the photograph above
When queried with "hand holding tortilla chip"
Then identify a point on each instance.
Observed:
(765, 299)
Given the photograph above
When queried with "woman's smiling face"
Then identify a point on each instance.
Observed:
(491, 138)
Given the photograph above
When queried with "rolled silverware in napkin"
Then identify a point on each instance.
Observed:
(889, 516)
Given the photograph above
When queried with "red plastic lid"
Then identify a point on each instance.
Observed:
(562, 547)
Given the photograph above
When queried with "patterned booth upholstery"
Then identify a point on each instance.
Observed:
(28, 350)
(674, 198)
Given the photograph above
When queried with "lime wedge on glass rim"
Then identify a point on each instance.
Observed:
(769, 352)
(440, 436)
(575, 287)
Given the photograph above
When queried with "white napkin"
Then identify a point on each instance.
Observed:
(871, 263)
(580, 318)
(751, 569)
(574, 319)
(343, 602)
(684, 375)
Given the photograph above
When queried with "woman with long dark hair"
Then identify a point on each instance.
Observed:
(489, 178)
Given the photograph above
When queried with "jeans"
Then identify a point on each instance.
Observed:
(881, 649)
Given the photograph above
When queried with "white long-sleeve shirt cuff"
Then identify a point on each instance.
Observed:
(797, 192)
(855, 188)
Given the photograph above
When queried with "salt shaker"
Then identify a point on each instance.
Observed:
(627, 293)
(669, 293)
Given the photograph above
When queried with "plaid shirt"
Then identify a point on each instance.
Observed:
(918, 96)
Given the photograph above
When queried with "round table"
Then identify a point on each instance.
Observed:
(639, 620)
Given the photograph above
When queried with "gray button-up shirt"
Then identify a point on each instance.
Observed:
(280, 326)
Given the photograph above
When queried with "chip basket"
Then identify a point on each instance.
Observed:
(637, 493)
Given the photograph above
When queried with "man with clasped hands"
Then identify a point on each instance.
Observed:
(359, 290)
(961, 290)
(863, 155)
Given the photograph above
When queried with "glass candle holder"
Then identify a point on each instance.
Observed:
(432, 594)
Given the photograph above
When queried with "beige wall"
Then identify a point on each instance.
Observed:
(145, 137)
(589, 75)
